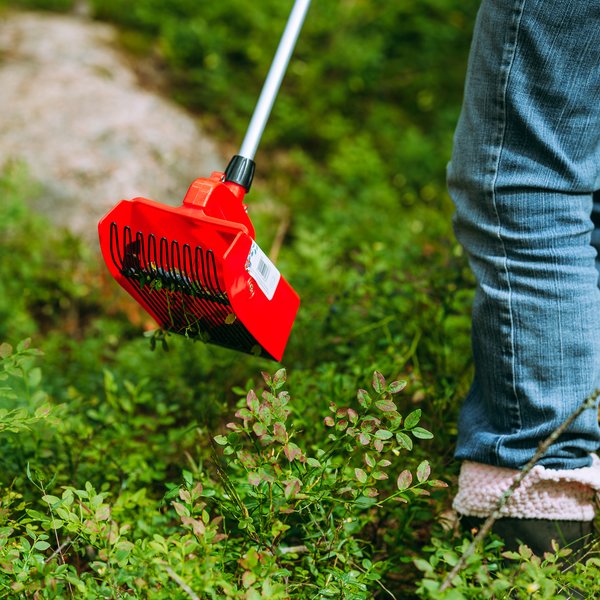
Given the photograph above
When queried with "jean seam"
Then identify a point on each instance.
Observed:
(506, 67)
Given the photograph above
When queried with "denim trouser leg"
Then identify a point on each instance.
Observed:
(524, 169)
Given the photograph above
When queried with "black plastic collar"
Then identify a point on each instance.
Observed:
(240, 170)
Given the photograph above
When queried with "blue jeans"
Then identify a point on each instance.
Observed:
(524, 169)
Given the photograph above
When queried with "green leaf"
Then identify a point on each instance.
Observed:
(41, 545)
(188, 477)
(364, 502)
(51, 500)
(383, 434)
(43, 411)
(404, 441)
(413, 419)
(221, 440)
(123, 549)
(423, 565)
(34, 377)
(421, 433)
(5, 350)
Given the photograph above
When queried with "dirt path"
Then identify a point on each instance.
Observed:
(72, 109)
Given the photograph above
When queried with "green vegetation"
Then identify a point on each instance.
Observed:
(197, 472)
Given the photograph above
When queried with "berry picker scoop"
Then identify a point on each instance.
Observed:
(197, 269)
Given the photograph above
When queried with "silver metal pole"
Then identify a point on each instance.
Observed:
(273, 81)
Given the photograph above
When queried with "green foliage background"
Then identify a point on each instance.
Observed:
(353, 164)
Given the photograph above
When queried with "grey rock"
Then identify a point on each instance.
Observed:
(72, 109)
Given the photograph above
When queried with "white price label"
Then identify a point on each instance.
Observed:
(263, 270)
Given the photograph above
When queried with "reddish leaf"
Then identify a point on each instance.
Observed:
(369, 460)
(404, 480)
(279, 432)
(341, 425)
(437, 483)
(180, 509)
(252, 401)
(292, 451)
(378, 382)
(279, 378)
(292, 488)
(363, 398)
(396, 387)
(352, 415)
(259, 429)
(423, 471)
(360, 475)
(386, 406)
(254, 478)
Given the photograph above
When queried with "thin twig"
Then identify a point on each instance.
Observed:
(182, 584)
(589, 403)
(59, 550)
(284, 225)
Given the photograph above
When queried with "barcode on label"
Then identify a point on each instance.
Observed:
(263, 270)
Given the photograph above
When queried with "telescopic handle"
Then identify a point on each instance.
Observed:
(242, 165)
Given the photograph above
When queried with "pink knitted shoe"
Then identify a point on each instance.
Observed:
(548, 504)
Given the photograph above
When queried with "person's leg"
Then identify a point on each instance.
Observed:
(596, 232)
(525, 165)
